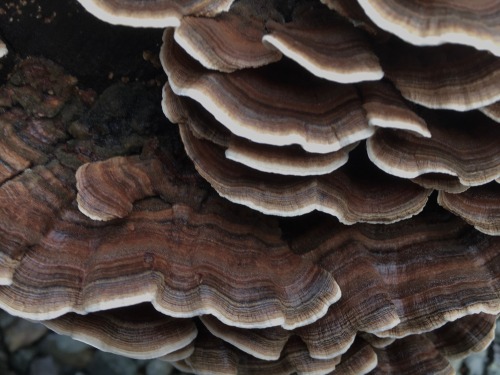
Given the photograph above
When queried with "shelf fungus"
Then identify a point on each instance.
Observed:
(366, 260)
(465, 146)
(156, 13)
(318, 115)
(231, 40)
(448, 77)
(492, 111)
(137, 331)
(285, 160)
(361, 230)
(162, 237)
(324, 44)
(3, 49)
(434, 22)
(430, 352)
(342, 193)
(479, 206)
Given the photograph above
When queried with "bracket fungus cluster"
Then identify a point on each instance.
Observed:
(382, 115)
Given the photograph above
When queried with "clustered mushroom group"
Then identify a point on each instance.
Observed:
(369, 111)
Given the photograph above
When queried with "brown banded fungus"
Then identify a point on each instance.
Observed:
(324, 44)
(440, 182)
(431, 352)
(342, 193)
(479, 206)
(213, 355)
(449, 76)
(385, 108)
(387, 288)
(195, 293)
(119, 242)
(319, 116)
(286, 160)
(3, 49)
(137, 331)
(231, 40)
(465, 146)
(156, 13)
(433, 22)
(492, 111)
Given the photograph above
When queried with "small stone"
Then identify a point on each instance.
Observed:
(157, 367)
(112, 364)
(44, 366)
(493, 369)
(457, 364)
(66, 344)
(67, 351)
(6, 319)
(4, 368)
(22, 358)
(22, 333)
(476, 363)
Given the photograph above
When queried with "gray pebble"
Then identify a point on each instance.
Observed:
(6, 319)
(22, 333)
(22, 358)
(111, 364)
(44, 366)
(67, 351)
(157, 367)
(476, 363)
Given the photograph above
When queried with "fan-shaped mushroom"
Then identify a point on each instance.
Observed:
(239, 291)
(135, 331)
(319, 116)
(3, 49)
(324, 44)
(449, 76)
(492, 111)
(479, 206)
(342, 193)
(465, 146)
(156, 13)
(437, 22)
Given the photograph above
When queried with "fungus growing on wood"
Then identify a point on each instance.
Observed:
(213, 355)
(438, 22)
(479, 206)
(440, 182)
(319, 116)
(324, 44)
(345, 193)
(449, 76)
(492, 111)
(3, 49)
(156, 13)
(231, 40)
(137, 331)
(385, 108)
(286, 160)
(386, 286)
(249, 292)
(465, 146)
(431, 352)
(147, 236)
